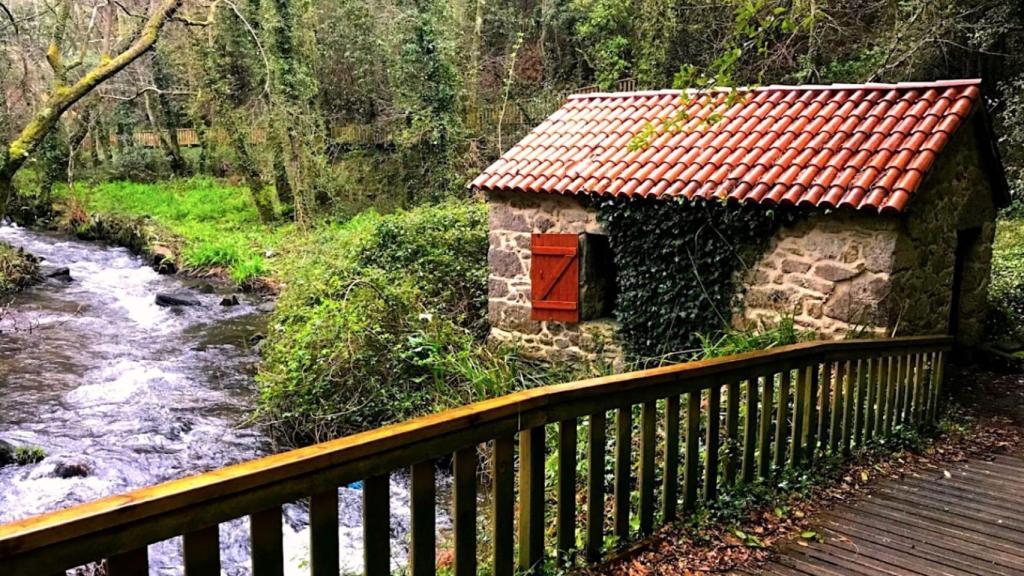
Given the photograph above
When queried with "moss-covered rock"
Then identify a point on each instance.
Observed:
(18, 269)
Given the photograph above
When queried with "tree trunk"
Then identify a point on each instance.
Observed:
(168, 144)
(6, 193)
(6, 182)
(282, 185)
(253, 178)
(62, 97)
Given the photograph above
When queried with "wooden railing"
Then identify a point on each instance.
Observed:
(781, 408)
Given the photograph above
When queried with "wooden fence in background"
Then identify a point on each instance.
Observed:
(722, 422)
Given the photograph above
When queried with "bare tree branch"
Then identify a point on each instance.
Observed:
(147, 90)
(10, 16)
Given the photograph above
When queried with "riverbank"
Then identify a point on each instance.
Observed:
(198, 226)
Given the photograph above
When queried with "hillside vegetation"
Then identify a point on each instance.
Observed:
(380, 319)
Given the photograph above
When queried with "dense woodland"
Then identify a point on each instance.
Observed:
(273, 88)
(303, 120)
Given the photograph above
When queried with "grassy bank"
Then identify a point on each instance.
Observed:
(381, 318)
(208, 223)
(1006, 293)
(17, 269)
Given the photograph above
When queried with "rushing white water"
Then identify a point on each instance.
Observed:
(94, 372)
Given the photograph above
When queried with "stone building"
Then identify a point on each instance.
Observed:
(894, 191)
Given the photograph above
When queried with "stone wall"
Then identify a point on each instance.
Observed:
(830, 272)
(957, 196)
(513, 217)
(843, 272)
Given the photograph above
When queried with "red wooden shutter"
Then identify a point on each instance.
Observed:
(555, 277)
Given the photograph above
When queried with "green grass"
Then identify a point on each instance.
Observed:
(1006, 294)
(216, 222)
(29, 454)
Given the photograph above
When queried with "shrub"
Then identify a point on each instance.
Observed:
(380, 320)
(29, 455)
(739, 341)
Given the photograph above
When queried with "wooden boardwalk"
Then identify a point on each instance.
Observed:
(969, 521)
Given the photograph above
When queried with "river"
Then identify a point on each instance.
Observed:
(99, 376)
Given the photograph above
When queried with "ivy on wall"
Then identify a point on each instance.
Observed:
(676, 267)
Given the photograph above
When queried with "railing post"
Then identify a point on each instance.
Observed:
(377, 525)
(531, 498)
(812, 410)
(566, 520)
(623, 463)
(732, 436)
(939, 382)
(828, 372)
(750, 429)
(764, 445)
(503, 486)
(648, 420)
(464, 513)
(323, 533)
(692, 470)
(836, 429)
(799, 409)
(267, 549)
(905, 382)
(781, 422)
(873, 379)
(201, 552)
(595, 486)
(860, 418)
(891, 380)
(423, 543)
(131, 563)
(670, 477)
(852, 375)
(919, 389)
(712, 443)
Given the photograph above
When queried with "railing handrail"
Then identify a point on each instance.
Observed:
(516, 411)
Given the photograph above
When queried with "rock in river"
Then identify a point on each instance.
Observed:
(229, 300)
(176, 299)
(163, 258)
(6, 453)
(62, 273)
(72, 468)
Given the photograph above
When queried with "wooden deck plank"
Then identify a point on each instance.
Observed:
(944, 538)
(892, 556)
(939, 501)
(961, 493)
(960, 520)
(868, 537)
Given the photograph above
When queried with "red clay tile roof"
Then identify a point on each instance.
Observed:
(865, 146)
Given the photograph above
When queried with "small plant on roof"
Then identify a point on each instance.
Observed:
(757, 24)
